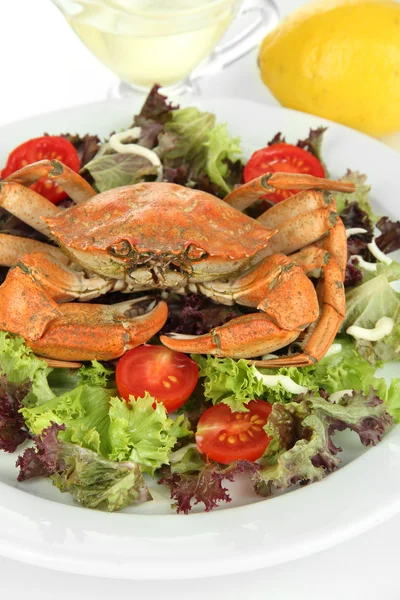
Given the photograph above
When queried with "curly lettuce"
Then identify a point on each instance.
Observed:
(304, 451)
(96, 419)
(19, 364)
(236, 382)
(141, 431)
(92, 480)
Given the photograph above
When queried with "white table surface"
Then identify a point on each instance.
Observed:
(45, 67)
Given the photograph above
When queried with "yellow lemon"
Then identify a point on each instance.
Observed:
(339, 60)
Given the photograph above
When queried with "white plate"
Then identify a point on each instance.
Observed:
(43, 527)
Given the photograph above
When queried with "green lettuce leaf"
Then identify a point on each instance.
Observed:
(143, 433)
(360, 195)
(305, 451)
(220, 148)
(236, 383)
(369, 302)
(85, 413)
(91, 479)
(112, 169)
(390, 394)
(20, 365)
(192, 140)
(95, 374)
(345, 370)
(186, 459)
(191, 128)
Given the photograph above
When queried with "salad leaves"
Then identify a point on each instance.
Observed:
(302, 431)
(20, 365)
(143, 433)
(194, 481)
(236, 382)
(367, 303)
(360, 195)
(13, 430)
(193, 149)
(96, 419)
(91, 479)
(389, 240)
(98, 447)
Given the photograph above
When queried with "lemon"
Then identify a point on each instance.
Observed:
(339, 60)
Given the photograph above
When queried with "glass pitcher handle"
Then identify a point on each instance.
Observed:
(266, 18)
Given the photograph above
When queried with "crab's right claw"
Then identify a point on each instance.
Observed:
(72, 331)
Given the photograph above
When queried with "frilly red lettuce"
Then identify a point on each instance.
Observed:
(193, 481)
(13, 430)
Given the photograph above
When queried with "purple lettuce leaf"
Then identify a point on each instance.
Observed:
(389, 240)
(41, 461)
(204, 486)
(156, 106)
(155, 112)
(353, 275)
(87, 146)
(194, 315)
(13, 430)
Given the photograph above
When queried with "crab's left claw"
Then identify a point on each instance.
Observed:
(243, 337)
(279, 289)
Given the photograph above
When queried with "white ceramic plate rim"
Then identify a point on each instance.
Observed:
(358, 496)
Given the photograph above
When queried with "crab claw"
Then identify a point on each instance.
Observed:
(96, 331)
(243, 337)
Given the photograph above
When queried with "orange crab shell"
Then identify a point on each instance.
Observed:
(159, 218)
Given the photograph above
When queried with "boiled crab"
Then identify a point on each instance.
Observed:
(156, 236)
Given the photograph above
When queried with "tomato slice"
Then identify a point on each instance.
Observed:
(226, 436)
(280, 158)
(168, 376)
(48, 146)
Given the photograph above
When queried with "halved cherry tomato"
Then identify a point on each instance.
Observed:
(226, 436)
(168, 376)
(48, 146)
(282, 157)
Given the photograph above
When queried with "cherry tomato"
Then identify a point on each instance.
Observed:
(168, 376)
(278, 158)
(226, 436)
(50, 147)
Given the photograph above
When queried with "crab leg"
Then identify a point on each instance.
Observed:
(76, 187)
(336, 244)
(275, 286)
(243, 196)
(71, 331)
(12, 248)
(27, 205)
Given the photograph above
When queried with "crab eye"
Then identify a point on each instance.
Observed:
(195, 253)
(121, 248)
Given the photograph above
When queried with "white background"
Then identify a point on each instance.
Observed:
(45, 67)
